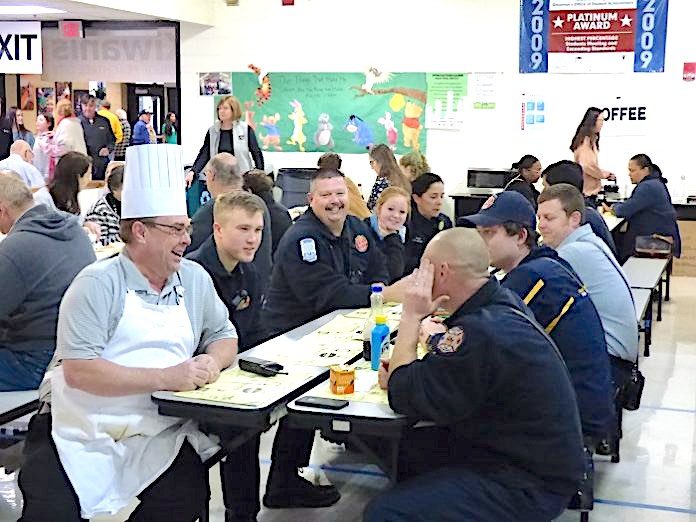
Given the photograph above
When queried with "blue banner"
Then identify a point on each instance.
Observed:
(534, 30)
(651, 33)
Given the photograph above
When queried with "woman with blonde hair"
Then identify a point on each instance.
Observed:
(68, 135)
(230, 133)
(388, 228)
(413, 165)
(389, 173)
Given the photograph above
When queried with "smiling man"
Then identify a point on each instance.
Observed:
(325, 261)
(127, 327)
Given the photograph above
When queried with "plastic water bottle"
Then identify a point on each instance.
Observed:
(376, 308)
(379, 341)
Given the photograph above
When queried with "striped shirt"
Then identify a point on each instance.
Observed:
(104, 215)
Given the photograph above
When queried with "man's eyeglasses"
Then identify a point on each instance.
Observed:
(173, 230)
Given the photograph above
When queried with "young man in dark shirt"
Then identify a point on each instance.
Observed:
(226, 256)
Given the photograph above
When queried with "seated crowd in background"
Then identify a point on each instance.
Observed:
(273, 275)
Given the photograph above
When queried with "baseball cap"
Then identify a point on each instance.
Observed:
(508, 206)
(144, 111)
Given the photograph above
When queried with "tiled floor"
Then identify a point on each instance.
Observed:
(653, 482)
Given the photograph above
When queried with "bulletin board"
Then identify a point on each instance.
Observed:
(341, 112)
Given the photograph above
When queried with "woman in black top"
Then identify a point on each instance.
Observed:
(229, 134)
(388, 230)
(528, 172)
(428, 192)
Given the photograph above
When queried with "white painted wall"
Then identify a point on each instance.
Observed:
(441, 36)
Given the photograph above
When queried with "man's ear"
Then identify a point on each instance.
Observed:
(575, 219)
(310, 197)
(522, 236)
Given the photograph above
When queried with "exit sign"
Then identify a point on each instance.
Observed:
(70, 29)
(288, 2)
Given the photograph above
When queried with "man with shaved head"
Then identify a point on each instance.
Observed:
(19, 161)
(507, 444)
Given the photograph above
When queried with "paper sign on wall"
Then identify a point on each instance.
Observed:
(20, 48)
(445, 104)
(581, 36)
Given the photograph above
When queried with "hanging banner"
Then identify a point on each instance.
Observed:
(20, 48)
(577, 36)
(340, 112)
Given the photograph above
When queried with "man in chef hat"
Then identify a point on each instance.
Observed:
(129, 326)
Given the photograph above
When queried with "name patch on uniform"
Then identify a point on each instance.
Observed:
(361, 243)
(308, 248)
(451, 341)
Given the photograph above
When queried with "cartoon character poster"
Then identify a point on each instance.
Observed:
(341, 112)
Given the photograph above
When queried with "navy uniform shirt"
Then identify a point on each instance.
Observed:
(501, 388)
(239, 290)
(560, 303)
(420, 231)
(316, 272)
(524, 187)
(648, 211)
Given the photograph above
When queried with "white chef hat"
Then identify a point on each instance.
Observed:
(153, 182)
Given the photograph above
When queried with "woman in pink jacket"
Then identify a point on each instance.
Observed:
(585, 147)
(68, 135)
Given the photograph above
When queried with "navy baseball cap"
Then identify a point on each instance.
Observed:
(508, 206)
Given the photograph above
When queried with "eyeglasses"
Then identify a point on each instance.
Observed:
(174, 230)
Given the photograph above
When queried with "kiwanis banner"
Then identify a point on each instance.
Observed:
(592, 36)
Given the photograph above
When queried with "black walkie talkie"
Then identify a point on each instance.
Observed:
(261, 366)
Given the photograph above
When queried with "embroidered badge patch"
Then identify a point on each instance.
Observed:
(361, 243)
(308, 249)
(451, 341)
(488, 203)
(441, 226)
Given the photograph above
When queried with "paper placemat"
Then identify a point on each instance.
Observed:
(236, 386)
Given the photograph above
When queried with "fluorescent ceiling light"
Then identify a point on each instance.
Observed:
(28, 10)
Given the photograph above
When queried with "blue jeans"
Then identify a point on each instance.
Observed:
(459, 494)
(22, 370)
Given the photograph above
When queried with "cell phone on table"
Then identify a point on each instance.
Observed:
(321, 402)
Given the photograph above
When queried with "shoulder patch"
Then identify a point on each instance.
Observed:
(441, 225)
(361, 244)
(308, 249)
(451, 341)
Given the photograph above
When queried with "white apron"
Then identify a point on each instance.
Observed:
(112, 448)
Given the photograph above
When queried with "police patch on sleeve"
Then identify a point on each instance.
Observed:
(308, 249)
(451, 341)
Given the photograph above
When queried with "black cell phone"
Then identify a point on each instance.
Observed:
(321, 402)
(260, 366)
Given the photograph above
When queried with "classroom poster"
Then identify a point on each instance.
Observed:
(533, 112)
(484, 88)
(585, 36)
(446, 100)
(27, 93)
(63, 90)
(44, 100)
(340, 112)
